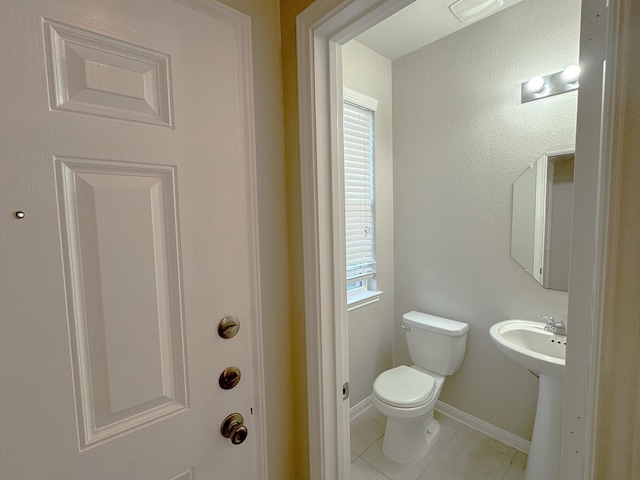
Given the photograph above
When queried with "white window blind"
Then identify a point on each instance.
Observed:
(359, 191)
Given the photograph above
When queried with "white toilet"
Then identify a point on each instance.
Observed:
(408, 395)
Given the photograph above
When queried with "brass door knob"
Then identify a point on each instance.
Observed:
(239, 435)
(233, 428)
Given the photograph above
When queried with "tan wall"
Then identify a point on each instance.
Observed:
(289, 10)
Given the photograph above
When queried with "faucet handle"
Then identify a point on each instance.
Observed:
(550, 324)
(560, 328)
(547, 318)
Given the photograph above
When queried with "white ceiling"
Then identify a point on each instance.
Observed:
(421, 23)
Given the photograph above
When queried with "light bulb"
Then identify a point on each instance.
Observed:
(571, 74)
(535, 84)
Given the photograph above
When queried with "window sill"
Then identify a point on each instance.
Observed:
(361, 299)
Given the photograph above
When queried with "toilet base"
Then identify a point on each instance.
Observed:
(408, 440)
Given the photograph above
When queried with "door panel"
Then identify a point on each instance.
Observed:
(95, 74)
(119, 222)
(126, 140)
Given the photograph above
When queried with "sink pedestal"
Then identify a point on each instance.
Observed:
(543, 352)
(544, 453)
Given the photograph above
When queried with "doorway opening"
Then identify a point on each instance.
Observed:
(321, 33)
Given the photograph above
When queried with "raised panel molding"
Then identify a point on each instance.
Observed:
(93, 74)
(119, 231)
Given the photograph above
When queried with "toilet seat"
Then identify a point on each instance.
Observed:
(404, 387)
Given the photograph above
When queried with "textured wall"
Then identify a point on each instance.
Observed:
(461, 137)
(371, 326)
(618, 453)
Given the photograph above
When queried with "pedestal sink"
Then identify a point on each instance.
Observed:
(542, 353)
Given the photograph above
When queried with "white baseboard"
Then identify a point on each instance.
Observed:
(360, 408)
(485, 427)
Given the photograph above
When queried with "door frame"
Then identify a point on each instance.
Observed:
(322, 29)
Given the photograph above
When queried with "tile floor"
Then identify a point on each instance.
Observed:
(460, 453)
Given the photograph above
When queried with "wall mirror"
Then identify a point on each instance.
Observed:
(541, 218)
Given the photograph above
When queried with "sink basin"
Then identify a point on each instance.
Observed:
(527, 343)
(543, 353)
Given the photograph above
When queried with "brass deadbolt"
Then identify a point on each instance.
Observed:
(229, 378)
(228, 326)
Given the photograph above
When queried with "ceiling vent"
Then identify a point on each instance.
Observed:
(468, 11)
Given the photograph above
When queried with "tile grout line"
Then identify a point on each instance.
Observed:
(460, 431)
(374, 467)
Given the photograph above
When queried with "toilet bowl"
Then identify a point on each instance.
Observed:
(407, 395)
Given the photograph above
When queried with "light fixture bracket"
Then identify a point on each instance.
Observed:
(554, 84)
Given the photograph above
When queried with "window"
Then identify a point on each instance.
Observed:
(358, 124)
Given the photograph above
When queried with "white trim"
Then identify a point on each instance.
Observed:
(540, 221)
(360, 408)
(321, 29)
(487, 428)
(323, 342)
(361, 299)
(598, 37)
(360, 99)
(545, 196)
(541, 205)
(565, 150)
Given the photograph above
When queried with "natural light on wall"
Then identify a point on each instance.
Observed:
(358, 124)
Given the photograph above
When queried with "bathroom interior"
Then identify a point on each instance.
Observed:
(451, 138)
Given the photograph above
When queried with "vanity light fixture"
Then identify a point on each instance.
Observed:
(540, 87)
(536, 84)
(571, 74)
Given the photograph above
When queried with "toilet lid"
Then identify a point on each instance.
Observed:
(404, 387)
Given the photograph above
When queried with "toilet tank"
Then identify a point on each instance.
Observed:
(436, 344)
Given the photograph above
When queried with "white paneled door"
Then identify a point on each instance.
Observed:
(127, 233)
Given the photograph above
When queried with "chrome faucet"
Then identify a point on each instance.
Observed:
(559, 327)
